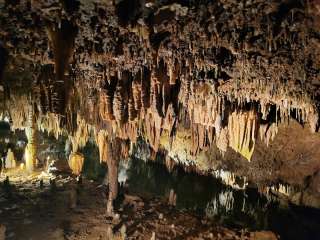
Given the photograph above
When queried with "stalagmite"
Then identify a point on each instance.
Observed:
(113, 185)
(10, 160)
(172, 198)
(111, 151)
(31, 148)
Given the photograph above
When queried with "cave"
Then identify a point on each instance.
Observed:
(159, 119)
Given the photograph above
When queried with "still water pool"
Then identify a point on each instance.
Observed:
(209, 198)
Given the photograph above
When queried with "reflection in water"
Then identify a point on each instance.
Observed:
(208, 197)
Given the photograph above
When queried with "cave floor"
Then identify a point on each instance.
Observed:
(31, 211)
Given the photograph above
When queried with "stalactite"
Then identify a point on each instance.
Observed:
(268, 133)
(243, 127)
(136, 93)
(173, 72)
(222, 140)
(131, 109)
(76, 161)
(105, 106)
(128, 131)
(155, 96)
(145, 89)
(52, 124)
(120, 108)
(153, 124)
(80, 138)
(101, 138)
(19, 111)
(62, 42)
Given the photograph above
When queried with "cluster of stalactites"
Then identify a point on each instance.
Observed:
(240, 133)
(204, 115)
(111, 147)
(208, 110)
(81, 136)
(287, 100)
(230, 179)
(51, 123)
(144, 103)
(122, 98)
(19, 107)
(206, 118)
(242, 129)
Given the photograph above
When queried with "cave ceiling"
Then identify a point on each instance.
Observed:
(174, 73)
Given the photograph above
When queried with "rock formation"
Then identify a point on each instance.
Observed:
(31, 148)
(186, 78)
(10, 160)
(76, 161)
